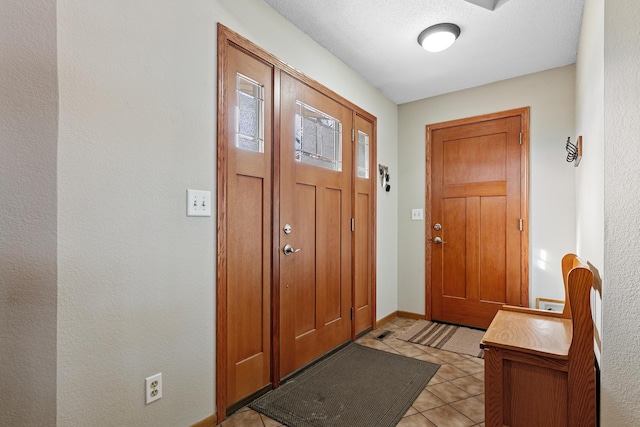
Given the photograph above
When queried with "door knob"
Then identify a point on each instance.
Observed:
(438, 240)
(288, 250)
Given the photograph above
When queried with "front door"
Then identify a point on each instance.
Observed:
(315, 224)
(475, 230)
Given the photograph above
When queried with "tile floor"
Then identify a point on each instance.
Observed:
(453, 398)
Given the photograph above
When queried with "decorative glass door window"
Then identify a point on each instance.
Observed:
(363, 155)
(249, 115)
(318, 138)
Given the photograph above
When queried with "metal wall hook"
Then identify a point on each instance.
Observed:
(384, 177)
(574, 151)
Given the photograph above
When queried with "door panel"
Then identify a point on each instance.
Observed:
(476, 198)
(315, 184)
(492, 249)
(363, 240)
(453, 266)
(249, 216)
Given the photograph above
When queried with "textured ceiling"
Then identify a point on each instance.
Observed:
(378, 39)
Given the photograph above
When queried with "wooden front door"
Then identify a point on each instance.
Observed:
(286, 156)
(475, 229)
(315, 221)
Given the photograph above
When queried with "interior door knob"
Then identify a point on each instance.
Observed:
(288, 250)
(438, 240)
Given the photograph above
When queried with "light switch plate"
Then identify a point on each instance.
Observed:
(198, 203)
(416, 215)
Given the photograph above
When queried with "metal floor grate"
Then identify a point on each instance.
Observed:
(383, 335)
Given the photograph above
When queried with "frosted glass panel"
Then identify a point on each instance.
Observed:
(318, 138)
(249, 115)
(363, 155)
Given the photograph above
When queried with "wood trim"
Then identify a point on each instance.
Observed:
(428, 248)
(275, 267)
(354, 168)
(210, 421)
(394, 315)
(524, 196)
(480, 118)
(556, 363)
(386, 319)
(410, 315)
(524, 205)
(265, 56)
(374, 220)
(221, 230)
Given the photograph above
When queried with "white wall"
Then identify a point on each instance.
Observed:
(28, 144)
(621, 293)
(136, 289)
(136, 277)
(550, 94)
(590, 124)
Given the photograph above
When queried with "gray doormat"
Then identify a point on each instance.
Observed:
(356, 386)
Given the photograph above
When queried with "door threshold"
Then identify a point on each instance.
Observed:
(313, 362)
(244, 402)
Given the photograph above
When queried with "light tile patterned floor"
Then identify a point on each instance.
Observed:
(454, 396)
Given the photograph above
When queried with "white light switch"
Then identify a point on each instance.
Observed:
(198, 203)
(416, 215)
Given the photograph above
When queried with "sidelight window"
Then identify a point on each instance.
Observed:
(249, 115)
(363, 155)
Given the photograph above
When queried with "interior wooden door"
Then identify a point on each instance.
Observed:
(315, 221)
(475, 225)
(247, 221)
(364, 217)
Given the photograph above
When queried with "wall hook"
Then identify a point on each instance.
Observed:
(574, 151)
(384, 177)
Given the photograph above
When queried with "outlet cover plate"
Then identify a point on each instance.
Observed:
(198, 203)
(153, 388)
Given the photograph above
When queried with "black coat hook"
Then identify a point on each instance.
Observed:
(572, 150)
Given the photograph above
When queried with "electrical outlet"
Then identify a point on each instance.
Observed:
(198, 203)
(153, 388)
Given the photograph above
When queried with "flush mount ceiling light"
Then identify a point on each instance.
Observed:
(439, 37)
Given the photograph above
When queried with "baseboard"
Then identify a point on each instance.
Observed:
(410, 315)
(210, 421)
(386, 319)
(396, 314)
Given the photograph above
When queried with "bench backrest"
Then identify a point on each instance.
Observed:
(578, 280)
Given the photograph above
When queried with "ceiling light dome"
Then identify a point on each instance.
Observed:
(439, 37)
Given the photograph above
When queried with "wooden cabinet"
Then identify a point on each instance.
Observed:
(539, 366)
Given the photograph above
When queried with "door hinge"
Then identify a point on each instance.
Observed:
(352, 313)
(353, 224)
(521, 224)
(520, 138)
(353, 135)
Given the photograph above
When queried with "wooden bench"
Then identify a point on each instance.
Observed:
(539, 365)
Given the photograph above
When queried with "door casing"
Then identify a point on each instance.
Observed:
(523, 113)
